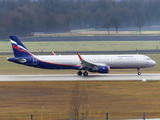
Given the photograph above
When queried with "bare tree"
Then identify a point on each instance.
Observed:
(78, 102)
(107, 24)
(116, 21)
(21, 17)
(140, 20)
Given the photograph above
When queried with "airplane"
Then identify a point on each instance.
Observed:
(85, 63)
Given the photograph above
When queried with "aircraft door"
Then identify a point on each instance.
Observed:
(34, 61)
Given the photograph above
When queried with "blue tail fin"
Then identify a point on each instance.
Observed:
(18, 48)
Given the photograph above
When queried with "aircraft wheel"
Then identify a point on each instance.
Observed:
(79, 73)
(139, 73)
(85, 74)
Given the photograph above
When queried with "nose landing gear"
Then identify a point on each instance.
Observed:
(139, 69)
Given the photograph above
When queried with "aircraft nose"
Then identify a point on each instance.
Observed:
(153, 62)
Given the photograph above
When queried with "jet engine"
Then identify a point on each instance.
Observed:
(100, 69)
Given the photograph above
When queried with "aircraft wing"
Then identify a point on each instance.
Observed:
(88, 65)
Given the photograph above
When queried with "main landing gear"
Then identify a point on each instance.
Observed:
(84, 73)
(139, 69)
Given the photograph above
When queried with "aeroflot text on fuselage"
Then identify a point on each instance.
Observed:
(82, 63)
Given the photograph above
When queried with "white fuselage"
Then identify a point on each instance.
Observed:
(114, 61)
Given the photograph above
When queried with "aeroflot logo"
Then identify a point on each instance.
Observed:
(19, 47)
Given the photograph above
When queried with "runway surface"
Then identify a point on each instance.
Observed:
(74, 77)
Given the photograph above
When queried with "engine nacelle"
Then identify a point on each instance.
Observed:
(100, 69)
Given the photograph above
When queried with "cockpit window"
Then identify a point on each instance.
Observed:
(148, 59)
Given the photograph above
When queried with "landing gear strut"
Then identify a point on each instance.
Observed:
(139, 73)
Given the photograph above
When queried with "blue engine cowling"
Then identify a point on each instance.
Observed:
(100, 69)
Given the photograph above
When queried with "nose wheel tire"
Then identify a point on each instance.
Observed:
(139, 73)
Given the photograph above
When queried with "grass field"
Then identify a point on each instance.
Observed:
(86, 45)
(51, 100)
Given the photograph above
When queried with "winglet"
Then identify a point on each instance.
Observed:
(53, 53)
(79, 56)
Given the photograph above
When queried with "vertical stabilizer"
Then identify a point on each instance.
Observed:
(18, 48)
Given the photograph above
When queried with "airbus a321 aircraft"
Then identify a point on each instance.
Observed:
(85, 63)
